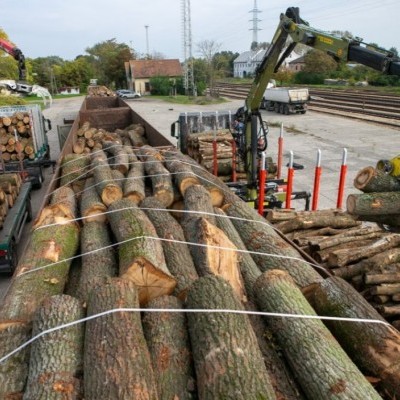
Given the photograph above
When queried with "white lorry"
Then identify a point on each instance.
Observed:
(286, 100)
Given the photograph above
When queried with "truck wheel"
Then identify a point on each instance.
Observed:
(47, 156)
(286, 110)
(29, 210)
(37, 183)
(276, 108)
(282, 108)
(263, 104)
(303, 112)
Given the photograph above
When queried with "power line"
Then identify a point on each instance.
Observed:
(255, 21)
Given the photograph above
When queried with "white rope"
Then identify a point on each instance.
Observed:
(197, 311)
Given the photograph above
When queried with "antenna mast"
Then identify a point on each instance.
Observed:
(190, 89)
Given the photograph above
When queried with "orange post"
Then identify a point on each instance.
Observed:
(280, 152)
(289, 188)
(342, 180)
(317, 179)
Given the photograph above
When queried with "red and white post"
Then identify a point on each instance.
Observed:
(342, 180)
(289, 188)
(280, 152)
(317, 180)
(263, 179)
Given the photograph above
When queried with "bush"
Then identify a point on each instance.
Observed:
(160, 85)
(309, 78)
(11, 100)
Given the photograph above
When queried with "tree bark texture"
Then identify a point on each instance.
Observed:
(134, 184)
(117, 363)
(370, 180)
(227, 359)
(321, 366)
(64, 200)
(74, 167)
(182, 175)
(107, 189)
(56, 361)
(141, 257)
(120, 158)
(49, 247)
(374, 203)
(373, 347)
(160, 177)
(98, 258)
(248, 268)
(91, 206)
(168, 341)
(176, 251)
(259, 236)
(14, 370)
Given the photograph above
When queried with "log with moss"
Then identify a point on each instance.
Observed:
(374, 347)
(91, 206)
(98, 258)
(56, 360)
(168, 341)
(370, 180)
(270, 251)
(160, 177)
(177, 254)
(141, 256)
(42, 272)
(74, 167)
(377, 203)
(117, 362)
(13, 370)
(227, 359)
(120, 158)
(320, 364)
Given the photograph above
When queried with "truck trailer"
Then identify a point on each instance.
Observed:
(285, 100)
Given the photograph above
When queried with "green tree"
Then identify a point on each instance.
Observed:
(108, 62)
(223, 63)
(208, 49)
(43, 69)
(76, 73)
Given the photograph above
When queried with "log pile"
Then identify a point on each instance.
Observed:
(16, 141)
(10, 185)
(380, 200)
(364, 254)
(100, 91)
(144, 251)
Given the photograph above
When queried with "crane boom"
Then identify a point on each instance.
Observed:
(15, 52)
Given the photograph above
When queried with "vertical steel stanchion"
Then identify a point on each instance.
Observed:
(317, 179)
(280, 152)
(263, 178)
(342, 180)
(214, 145)
(290, 181)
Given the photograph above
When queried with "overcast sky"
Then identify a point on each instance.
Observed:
(66, 28)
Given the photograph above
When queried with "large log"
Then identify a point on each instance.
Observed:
(370, 180)
(141, 257)
(13, 370)
(73, 168)
(134, 187)
(270, 251)
(373, 347)
(248, 268)
(374, 203)
(120, 157)
(177, 254)
(43, 271)
(98, 258)
(56, 360)
(117, 363)
(182, 174)
(321, 366)
(160, 177)
(168, 341)
(226, 355)
(91, 206)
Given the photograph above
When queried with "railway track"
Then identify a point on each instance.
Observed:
(356, 104)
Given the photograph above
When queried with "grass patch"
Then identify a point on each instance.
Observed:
(199, 100)
(12, 101)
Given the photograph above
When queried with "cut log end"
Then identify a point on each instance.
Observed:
(151, 282)
(110, 194)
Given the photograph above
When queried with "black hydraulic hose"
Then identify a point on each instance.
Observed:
(373, 59)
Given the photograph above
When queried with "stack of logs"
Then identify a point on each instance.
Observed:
(10, 185)
(165, 234)
(366, 255)
(380, 200)
(16, 141)
(100, 91)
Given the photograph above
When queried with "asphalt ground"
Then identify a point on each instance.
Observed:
(366, 143)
